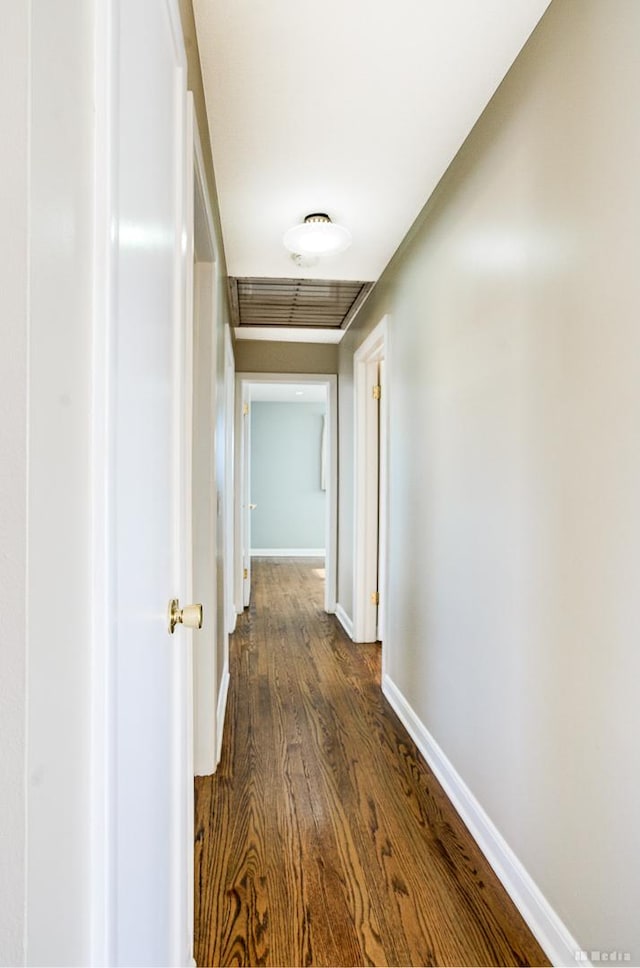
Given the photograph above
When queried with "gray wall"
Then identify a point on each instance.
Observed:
(256, 356)
(285, 475)
(514, 398)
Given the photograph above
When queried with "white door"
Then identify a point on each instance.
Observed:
(151, 786)
(229, 414)
(246, 494)
(371, 485)
(382, 502)
(367, 504)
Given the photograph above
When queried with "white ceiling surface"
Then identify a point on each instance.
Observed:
(290, 334)
(287, 393)
(351, 107)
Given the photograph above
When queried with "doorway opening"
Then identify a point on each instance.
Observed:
(287, 505)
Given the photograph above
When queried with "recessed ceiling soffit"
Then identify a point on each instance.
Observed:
(296, 303)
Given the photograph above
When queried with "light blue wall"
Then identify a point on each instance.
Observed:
(285, 475)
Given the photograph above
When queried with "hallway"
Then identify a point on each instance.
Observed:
(323, 839)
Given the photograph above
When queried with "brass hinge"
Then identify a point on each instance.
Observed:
(245, 409)
(377, 391)
(375, 598)
(245, 573)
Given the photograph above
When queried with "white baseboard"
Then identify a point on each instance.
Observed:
(287, 552)
(553, 936)
(221, 712)
(344, 620)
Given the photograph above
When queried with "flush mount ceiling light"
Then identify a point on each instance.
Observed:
(317, 236)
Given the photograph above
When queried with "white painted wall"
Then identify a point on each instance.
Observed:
(514, 402)
(14, 79)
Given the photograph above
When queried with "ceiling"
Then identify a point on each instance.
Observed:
(287, 393)
(351, 107)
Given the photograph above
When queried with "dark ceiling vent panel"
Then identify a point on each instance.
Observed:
(315, 303)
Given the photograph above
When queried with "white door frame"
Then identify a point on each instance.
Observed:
(189, 178)
(383, 503)
(229, 461)
(370, 501)
(243, 474)
(330, 381)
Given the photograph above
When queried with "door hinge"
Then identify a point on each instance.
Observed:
(375, 598)
(245, 573)
(245, 409)
(377, 391)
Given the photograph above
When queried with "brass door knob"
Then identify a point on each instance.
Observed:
(191, 615)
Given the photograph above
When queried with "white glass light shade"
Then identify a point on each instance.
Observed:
(317, 235)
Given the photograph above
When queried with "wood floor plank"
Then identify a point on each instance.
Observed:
(324, 838)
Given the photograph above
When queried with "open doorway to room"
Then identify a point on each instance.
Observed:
(286, 475)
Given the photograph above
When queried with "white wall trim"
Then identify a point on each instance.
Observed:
(554, 937)
(202, 187)
(229, 475)
(369, 420)
(287, 552)
(221, 712)
(188, 737)
(344, 620)
(289, 334)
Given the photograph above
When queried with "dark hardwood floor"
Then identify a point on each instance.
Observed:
(324, 839)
